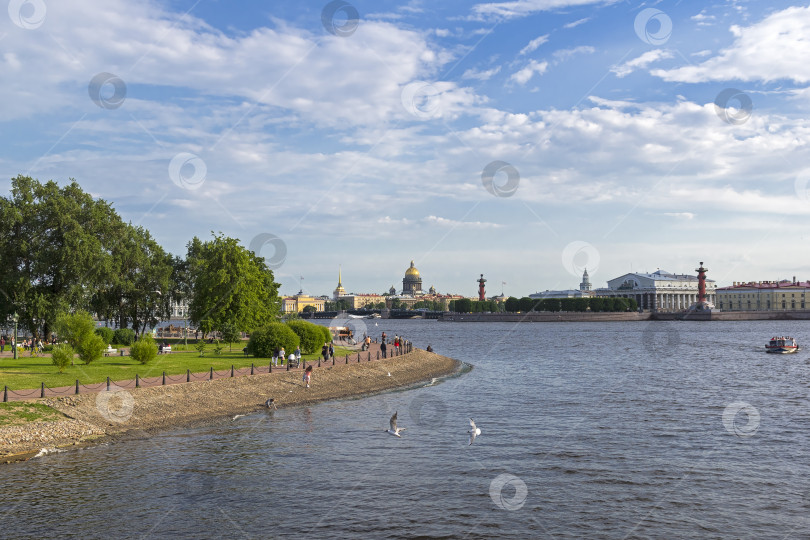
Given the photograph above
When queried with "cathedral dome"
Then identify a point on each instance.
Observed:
(412, 272)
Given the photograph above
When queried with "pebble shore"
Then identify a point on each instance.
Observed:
(89, 417)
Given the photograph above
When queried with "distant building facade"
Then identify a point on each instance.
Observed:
(659, 291)
(583, 291)
(782, 295)
(297, 303)
(412, 282)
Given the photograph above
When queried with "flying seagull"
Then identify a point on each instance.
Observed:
(394, 430)
(474, 431)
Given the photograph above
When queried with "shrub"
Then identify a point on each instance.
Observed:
(310, 335)
(144, 350)
(74, 327)
(200, 346)
(217, 348)
(124, 336)
(91, 348)
(62, 356)
(106, 334)
(265, 340)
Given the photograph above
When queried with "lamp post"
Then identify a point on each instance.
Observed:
(16, 318)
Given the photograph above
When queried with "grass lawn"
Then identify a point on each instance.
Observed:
(17, 413)
(27, 372)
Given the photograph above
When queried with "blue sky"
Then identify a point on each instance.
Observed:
(619, 135)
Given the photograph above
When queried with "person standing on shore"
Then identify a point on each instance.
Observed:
(282, 354)
(325, 352)
(383, 348)
(308, 375)
(2, 344)
(331, 351)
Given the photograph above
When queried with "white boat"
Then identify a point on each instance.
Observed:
(782, 345)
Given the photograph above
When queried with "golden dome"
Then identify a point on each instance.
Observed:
(412, 271)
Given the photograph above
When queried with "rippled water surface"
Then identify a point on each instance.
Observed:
(590, 430)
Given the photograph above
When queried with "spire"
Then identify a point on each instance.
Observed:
(340, 281)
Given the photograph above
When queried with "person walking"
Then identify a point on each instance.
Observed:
(2, 344)
(282, 354)
(325, 352)
(308, 375)
(331, 351)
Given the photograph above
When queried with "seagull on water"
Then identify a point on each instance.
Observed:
(474, 431)
(394, 430)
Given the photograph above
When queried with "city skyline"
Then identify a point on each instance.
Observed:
(521, 140)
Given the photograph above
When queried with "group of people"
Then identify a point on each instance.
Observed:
(397, 342)
(29, 344)
(279, 355)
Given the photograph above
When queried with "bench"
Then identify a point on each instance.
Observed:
(165, 350)
(110, 352)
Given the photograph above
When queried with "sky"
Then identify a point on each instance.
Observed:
(523, 140)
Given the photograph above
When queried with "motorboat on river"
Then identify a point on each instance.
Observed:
(782, 345)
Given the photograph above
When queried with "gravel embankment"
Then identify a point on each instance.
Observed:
(139, 411)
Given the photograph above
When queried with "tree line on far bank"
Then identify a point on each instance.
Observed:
(596, 304)
(62, 251)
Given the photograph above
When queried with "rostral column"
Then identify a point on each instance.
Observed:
(481, 292)
(701, 284)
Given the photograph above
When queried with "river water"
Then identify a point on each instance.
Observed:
(589, 430)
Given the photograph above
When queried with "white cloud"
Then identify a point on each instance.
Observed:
(576, 23)
(680, 215)
(565, 54)
(444, 222)
(525, 75)
(533, 44)
(774, 48)
(481, 75)
(642, 61)
(522, 8)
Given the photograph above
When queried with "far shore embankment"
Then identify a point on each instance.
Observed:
(576, 316)
(138, 412)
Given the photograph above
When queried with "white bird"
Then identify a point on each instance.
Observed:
(389, 373)
(394, 430)
(474, 432)
(238, 416)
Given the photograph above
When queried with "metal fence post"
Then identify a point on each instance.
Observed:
(77, 387)
(251, 368)
(137, 381)
(211, 376)
(378, 355)
(108, 384)
(164, 378)
(347, 358)
(188, 375)
(5, 390)
(42, 392)
(231, 370)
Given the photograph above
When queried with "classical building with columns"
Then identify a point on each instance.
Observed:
(659, 291)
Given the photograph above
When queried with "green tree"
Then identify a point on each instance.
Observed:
(526, 304)
(144, 350)
(55, 246)
(552, 304)
(62, 356)
(124, 336)
(230, 334)
(265, 340)
(597, 304)
(309, 309)
(107, 334)
(74, 327)
(231, 285)
(512, 304)
(310, 335)
(581, 304)
(464, 305)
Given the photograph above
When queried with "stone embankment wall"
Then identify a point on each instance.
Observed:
(546, 316)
